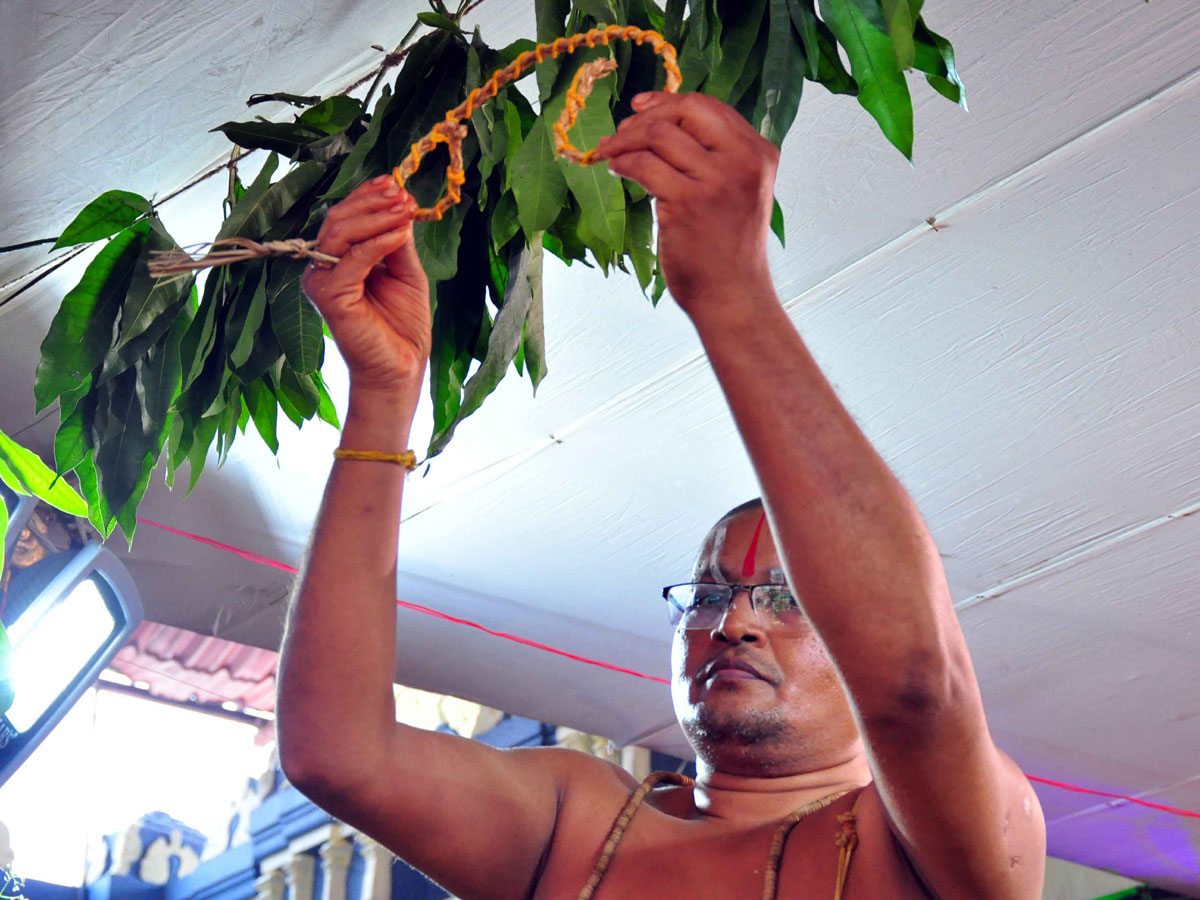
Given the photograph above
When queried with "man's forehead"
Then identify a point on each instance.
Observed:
(709, 564)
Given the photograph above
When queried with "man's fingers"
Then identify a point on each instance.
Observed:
(661, 135)
(649, 170)
(705, 118)
(404, 265)
(370, 196)
(340, 234)
(358, 261)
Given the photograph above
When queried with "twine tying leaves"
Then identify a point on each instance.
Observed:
(451, 131)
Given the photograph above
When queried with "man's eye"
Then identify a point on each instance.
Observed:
(708, 597)
(779, 599)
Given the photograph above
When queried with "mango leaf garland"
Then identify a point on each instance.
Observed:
(144, 370)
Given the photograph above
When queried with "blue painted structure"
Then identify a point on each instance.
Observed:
(282, 816)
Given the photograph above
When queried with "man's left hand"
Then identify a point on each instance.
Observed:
(713, 176)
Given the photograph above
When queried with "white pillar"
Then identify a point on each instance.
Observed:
(269, 886)
(377, 875)
(336, 854)
(300, 876)
(636, 761)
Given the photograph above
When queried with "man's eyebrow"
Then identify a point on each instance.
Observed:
(777, 575)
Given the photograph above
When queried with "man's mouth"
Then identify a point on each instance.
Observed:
(730, 668)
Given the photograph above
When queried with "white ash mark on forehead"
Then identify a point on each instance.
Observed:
(708, 566)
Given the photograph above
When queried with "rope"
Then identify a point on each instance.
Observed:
(451, 131)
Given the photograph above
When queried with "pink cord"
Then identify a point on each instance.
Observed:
(425, 610)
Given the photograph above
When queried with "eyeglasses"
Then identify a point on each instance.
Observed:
(696, 606)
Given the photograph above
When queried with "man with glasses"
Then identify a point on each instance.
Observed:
(818, 666)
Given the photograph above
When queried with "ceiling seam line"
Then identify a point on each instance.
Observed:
(1069, 557)
(650, 732)
(1168, 90)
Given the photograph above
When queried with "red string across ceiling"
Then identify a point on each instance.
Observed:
(261, 560)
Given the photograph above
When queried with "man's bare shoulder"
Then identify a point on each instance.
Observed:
(577, 774)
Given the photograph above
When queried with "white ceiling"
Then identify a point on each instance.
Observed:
(1031, 371)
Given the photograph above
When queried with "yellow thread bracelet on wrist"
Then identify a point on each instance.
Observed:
(408, 459)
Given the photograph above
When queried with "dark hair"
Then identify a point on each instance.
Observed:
(755, 505)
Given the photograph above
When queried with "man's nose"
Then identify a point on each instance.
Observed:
(738, 623)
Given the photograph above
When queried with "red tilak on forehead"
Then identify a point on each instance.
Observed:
(752, 551)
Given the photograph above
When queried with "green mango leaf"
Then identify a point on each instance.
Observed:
(562, 239)
(900, 24)
(515, 49)
(458, 319)
(533, 345)
(299, 391)
(639, 239)
(201, 337)
(326, 411)
(537, 180)
(436, 89)
(24, 472)
(503, 342)
(649, 11)
(109, 213)
(333, 115)
(82, 328)
(197, 456)
(804, 20)
(693, 61)
(288, 138)
(603, 11)
(437, 20)
(98, 513)
(777, 225)
(935, 57)
(504, 222)
(73, 439)
(830, 71)
(264, 411)
(515, 135)
(157, 385)
(120, 441)
(673, 21)
(601, 197)
(438, 242)
(882, 89)
(740, 23)
(150, 307)
(782, 77)
(245, 320)
(264, 204)
(158, 381)
(355, 168)
(295, 321)
(252, 196)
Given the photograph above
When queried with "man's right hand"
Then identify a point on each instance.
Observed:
(376, 300)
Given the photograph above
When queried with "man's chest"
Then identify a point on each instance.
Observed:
(664, 858)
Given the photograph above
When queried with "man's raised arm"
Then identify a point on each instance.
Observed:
(475, 819)
(855, 548)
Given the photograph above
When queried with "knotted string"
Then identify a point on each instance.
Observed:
(451, 131)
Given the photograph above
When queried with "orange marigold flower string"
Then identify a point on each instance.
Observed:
(451, 131)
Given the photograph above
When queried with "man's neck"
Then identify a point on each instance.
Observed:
(746, 799)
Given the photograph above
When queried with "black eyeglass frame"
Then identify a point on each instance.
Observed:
(734, 589)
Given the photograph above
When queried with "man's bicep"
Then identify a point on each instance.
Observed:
(475, 819)
(963, 812)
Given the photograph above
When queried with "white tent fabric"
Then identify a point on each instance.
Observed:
(1031, 371)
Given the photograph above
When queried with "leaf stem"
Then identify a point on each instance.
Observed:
(392, 59)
